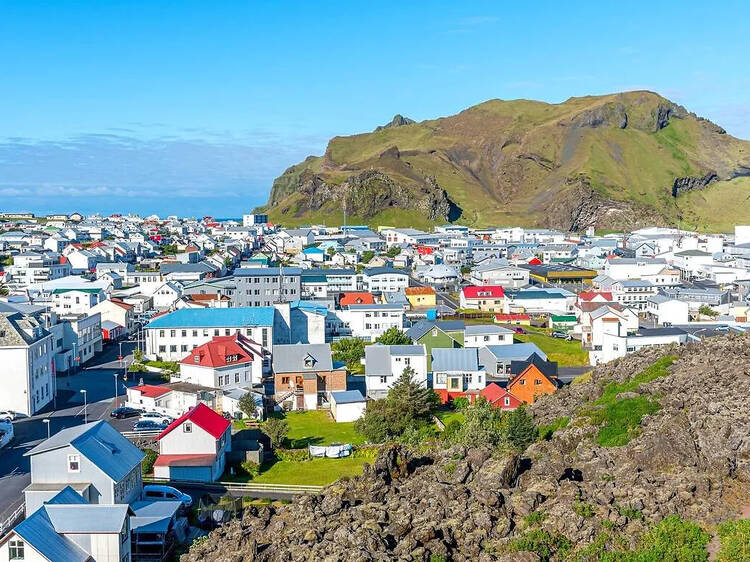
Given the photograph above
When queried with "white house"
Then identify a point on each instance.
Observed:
(384, 364)
(347, 405)
(225, 362)
(614, 346)
(385, 279)
(665, 310)
(633, 268)
(76, 300)
(485, 297)
(369, 321)
(194, 446)
(482, 335)
(167, 295)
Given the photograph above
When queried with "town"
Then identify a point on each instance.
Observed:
(150, 363)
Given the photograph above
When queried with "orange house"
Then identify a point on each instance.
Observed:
(530, 384)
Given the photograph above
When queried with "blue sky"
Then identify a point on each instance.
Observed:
(194, 107)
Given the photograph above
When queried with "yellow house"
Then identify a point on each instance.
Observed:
(421, 297)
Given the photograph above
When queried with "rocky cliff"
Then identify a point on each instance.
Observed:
(620, 160)
(591, 487)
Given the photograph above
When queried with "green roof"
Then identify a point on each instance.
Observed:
(86, 290)
(567, 318)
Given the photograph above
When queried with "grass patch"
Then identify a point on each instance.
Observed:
(620, 419)
(544, 544)
(735, 540)
(546, 431)
(315, 472)
(447, 416)
(315, 427)
(585, 377)
(566, 353)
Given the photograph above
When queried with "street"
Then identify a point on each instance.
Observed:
(97, 378)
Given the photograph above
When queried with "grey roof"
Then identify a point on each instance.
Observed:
(689, 253)
(84, 519)
(264, 271)
(347, 396)
(290, 358)
(200, 267)
(99, 442)
(423, 326)
(485, 329)
(153, 516)
(370, 271)
(455, 359)
(516, 351)
(646, 332)
(17, 330)
(378, 357)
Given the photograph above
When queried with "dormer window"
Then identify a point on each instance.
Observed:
(309, 361)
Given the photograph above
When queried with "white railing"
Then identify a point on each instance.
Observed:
(239, 487)
(12, 519)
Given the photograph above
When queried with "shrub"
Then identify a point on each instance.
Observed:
(534, 518)
(460, 403)
(582, 509)
(543, 544)
(293, 455)
(147, 466)
(735, 540)
(394, 336)
(521, 431)
(350, 351)
(251, 468)
(276, 430)
(546, 431)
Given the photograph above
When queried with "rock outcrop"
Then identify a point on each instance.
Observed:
(691, 458)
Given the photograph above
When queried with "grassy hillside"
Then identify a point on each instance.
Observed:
(608, 161)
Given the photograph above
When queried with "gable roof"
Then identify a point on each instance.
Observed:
(290, 358)
(455, 359)
(548, 368)
(378, 357)
(484, 291)
(530, 368)
(99, 442)
(486, 329)
(520, 351)
(215, 352)
(356, 298)
(494, 392)
(215, 318)
(151, 390)
(202, 416)
(423, 326)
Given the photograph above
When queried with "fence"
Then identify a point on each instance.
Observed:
(138, 435)
(15, 516)
(244, 488)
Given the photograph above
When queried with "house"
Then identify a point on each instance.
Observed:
(531, 383)
(384, 364)
(348, 299)
(456, 371)
(117, 311)
(167, 295)
(305, 375)
(27, 357)
(421, 297)
(614, 345)
(486, 297)
(194, 446)
(480, 335)
(434, 334)
(265, 286)
(562, 322)
(111, 331)
(666, 311)
(498, 359)
(499, 272)
(171, 336)
(67, 528)
(498, 397)
(385, 279)
(513, 319)
(369, 321)
(548, 301)
(225, 362)
(76, 300)
(347, 405)
(633, 293)
(93, 458)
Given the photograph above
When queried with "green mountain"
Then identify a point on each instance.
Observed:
(615, 161)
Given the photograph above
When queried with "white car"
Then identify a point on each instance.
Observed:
(155, 417)
(9, 415)
(6, 432)
(161, 492)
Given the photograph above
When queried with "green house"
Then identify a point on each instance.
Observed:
(562, 322)
(440, 334)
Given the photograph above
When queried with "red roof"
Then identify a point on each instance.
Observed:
(151, 390)
(202, 416)
(419, 291)
(489, 291)
(591, 295)
(494, 393)
(220, 352)
(535, 261)
(185, 460)
(208, 297)
(121, 304)
(504, 317)
(356, 298)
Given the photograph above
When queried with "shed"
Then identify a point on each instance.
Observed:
(347, 405)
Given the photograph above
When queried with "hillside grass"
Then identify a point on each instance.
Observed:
(735, 540)
(619, 419)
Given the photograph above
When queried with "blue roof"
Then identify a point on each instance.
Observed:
(99, 442)
(312, 250)
(215, 317)
(347, 396)
(311, 307)
(455, 359)
(516, 351)
(37, 531)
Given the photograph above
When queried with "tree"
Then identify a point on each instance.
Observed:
(393, 251)
(330, 251)
(247, 405)
(408, 406)
(276, 430)
(482, 425)
(520, 429)
(350, 351)
(394, 336)
(367, 255)
(706, 310)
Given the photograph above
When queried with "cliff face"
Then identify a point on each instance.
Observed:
(620, 160)
(689, 455)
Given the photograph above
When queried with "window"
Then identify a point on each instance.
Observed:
(15, 550)
(74, 463)
(173, 349)
(161, 333)
(227, 332)
(172, 333)
(184, 333)
(162, 348)
(383, 379)
(195, 333)
(187, 427)
(507, 401)
(537, 381)
(236, 377)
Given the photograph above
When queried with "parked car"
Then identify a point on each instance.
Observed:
(519, 330)
(161, 492)
(561, 336)
(9, 415)
(125, 412)
(149, 425)
(155, 417)
(6, 432)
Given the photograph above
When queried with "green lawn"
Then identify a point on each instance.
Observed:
(447, 416)
(316, 472)
(566, 353)
(316, 427)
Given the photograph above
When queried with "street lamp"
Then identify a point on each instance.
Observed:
(115, 377)
(85, 405)
(46, 421)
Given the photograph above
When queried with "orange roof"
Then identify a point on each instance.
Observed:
(356, 298)
(215, 352)
(419, 291)
(151, 391)
(121, 304)
(209, 297)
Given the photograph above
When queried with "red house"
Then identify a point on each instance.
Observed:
(499, 397)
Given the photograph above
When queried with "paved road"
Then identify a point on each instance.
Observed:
(98, 379)
(442, 297)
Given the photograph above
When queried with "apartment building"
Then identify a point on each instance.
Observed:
(264, 286)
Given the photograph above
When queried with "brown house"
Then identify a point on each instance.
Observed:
(305, 375)
(531, 383)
